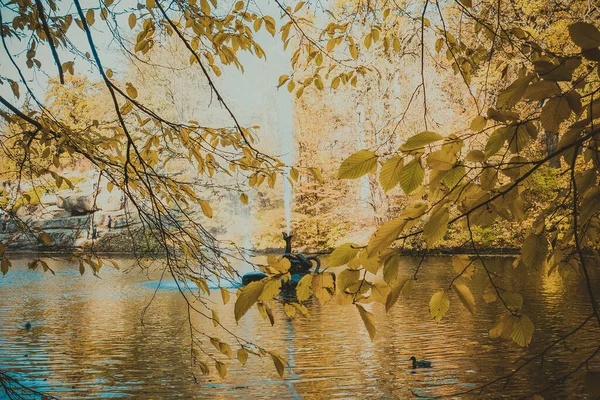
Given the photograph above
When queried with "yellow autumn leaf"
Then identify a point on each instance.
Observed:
(439, 305)
(132, 20)
(279, 363)
(247, 296)
(131, 90)
(357, 165)
(242, 355)
(465, 296)
(225, 295)
(206, 208)
(221, 368)
(368, 320)
(46, 239)
(343, 254)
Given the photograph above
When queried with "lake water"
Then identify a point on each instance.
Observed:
(88, 339)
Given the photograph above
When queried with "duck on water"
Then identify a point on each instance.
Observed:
(420, 363)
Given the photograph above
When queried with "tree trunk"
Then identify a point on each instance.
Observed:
(551, 147)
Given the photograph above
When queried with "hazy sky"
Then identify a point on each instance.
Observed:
(245, 85)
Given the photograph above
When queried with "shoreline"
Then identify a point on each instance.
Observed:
(447, 251)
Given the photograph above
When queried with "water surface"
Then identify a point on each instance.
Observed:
(88, 339)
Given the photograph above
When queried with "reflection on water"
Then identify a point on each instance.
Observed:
(88, 340)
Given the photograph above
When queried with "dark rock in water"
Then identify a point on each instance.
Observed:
(252, 277)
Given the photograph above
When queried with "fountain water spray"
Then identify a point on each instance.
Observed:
(285, 127)
(287, 199)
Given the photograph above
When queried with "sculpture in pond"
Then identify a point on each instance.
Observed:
(300, 264)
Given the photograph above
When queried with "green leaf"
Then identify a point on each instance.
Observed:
(412, 176)
(555, 111)
(420, 140)
(370, 263)
(478, 123)
(441, 160)
(386, 235)
(407, 288)
(567, 139)
(495, 142)
(534, 250)
(454, 176)
(513, 300)
(542, 90)
(518, 137)
(462, 262)
(323, 286)
(247, 296)
(510, 96)
(347, 278)
(317, 174)
(560, 71)
(488, 178)
(439, 305)
(388, 232)
(465, 296)
(379, 292)
(390, 268)
(304, 287)
(585, 35)
(294, 174)
(390, 173)
(393, 296)
(403, 289)
(343, 254)
(475, 155)
(368, 320)
(357, 165)
(503, 327)
(271, 288)
(435, 229)
(522, 331)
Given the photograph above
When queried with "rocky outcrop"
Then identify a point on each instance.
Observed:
(90, 202)
(69, 218)
(78, 204)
